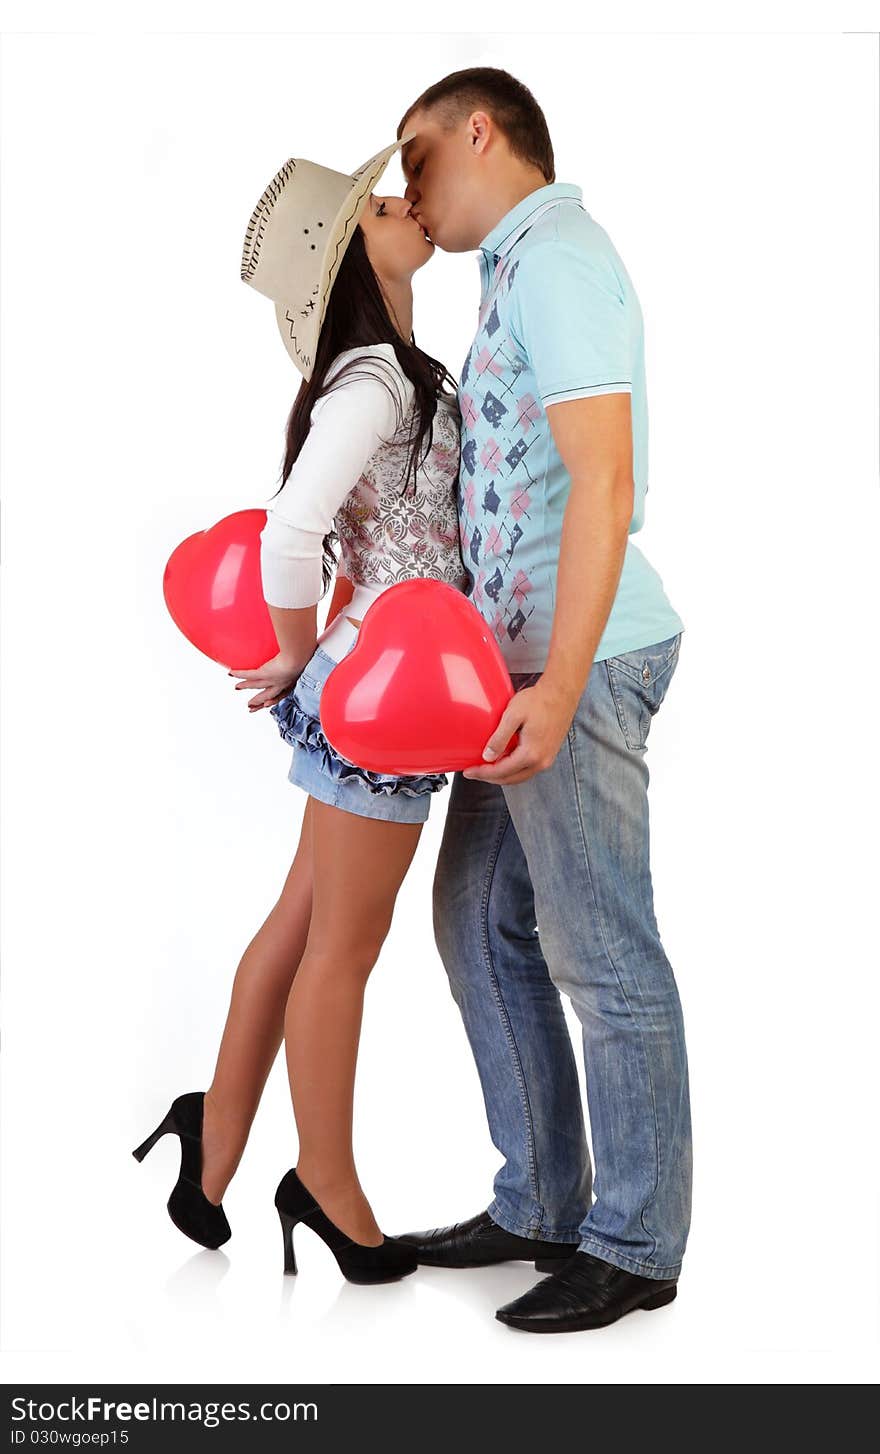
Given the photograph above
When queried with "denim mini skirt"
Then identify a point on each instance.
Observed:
(324, 774)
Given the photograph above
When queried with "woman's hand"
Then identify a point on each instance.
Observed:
(274, 679)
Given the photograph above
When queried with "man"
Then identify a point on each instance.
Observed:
(555, 834)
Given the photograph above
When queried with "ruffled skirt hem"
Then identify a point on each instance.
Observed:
(300, 728)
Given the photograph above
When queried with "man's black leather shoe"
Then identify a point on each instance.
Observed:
(585, 1293)
(481, 1242)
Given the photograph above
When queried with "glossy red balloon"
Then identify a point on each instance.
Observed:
(424, 688)
(214, 592)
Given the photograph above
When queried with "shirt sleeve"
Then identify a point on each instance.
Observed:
(569, 315)
(348, 425)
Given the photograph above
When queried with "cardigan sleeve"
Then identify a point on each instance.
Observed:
(348, 425)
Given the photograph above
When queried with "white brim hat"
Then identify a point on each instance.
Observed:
(297, 237)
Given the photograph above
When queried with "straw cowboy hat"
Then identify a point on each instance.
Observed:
(297, 237)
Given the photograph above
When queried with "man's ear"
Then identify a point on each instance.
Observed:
(480, 130)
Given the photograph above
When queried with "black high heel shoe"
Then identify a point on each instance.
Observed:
(385, 1263)
(188, 1207)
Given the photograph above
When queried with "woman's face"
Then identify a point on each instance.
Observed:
(396, 244)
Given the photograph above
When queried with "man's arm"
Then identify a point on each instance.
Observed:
(594, 439)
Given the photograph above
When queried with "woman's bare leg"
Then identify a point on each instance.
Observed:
(358, 865)
(255, 1023)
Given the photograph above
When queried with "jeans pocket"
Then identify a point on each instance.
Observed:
(639, 681)
(314, 674)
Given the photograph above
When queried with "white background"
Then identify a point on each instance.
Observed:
(148, 823)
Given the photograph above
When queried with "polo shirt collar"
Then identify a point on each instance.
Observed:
(520, 218)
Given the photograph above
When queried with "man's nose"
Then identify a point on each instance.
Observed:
(411, 194)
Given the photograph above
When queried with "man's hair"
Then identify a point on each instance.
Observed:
(511, 105)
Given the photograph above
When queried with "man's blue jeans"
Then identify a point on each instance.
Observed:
(542, 889)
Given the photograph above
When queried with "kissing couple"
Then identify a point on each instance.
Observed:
(519, 483)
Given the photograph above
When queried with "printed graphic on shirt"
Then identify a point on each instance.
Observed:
(500, 476)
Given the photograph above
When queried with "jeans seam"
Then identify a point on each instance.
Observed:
(624, 1261)
(570, 1235)
(488, 883)
(610, 959)
(618, 707)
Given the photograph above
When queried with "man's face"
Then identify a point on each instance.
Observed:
(442, 182)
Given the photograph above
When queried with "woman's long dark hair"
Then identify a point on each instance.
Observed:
(357, 316)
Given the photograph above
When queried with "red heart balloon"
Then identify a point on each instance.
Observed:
(424, 688)
(213, 590)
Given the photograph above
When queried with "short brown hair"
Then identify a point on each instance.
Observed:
(511, 105)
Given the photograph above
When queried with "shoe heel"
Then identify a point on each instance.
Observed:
(660, 1300)
(287, 1226)
(164, 1126)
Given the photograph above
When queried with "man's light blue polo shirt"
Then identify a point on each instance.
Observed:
(559, 319)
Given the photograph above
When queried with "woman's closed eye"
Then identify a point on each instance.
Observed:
(380, 210)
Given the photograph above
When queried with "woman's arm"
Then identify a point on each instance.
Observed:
(296, 632)
(348, 425)
(342, 594)
(296, 628)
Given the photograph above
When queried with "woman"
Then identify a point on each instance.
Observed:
(372, 443)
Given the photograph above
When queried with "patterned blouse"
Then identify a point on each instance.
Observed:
(350, 475)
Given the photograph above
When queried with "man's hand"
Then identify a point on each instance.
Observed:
(542, 716)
